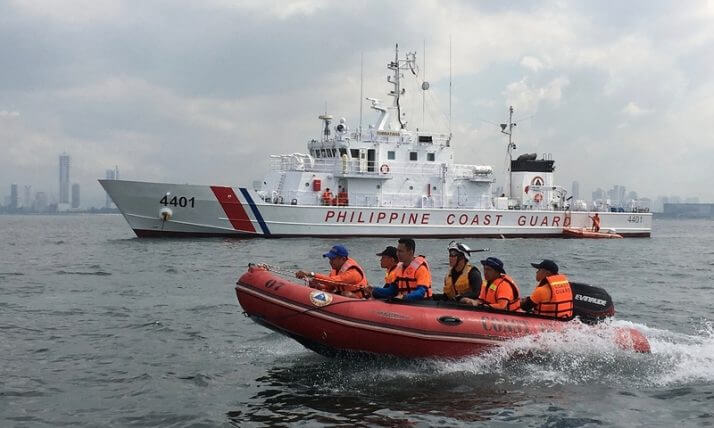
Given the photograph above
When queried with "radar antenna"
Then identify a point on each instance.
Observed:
(511, 145)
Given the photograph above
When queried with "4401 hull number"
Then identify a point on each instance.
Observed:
(178, 201)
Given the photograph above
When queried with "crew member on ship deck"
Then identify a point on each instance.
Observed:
(346, 278)
(553, 295)
(326, 198)
(463, 279)
(342, 199)
(413, 278)
(596, 222)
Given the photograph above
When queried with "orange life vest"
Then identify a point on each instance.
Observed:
(327, 198)
(406, 277)
(350, 264)
(391, 275)
(342, 199)
(560, 304)
(505, 281)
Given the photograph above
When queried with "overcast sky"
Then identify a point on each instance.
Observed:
(202, 92)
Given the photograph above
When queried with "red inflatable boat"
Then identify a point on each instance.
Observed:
(331, 324)
(569, 232)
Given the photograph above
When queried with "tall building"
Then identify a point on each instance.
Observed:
(75, 195)
(598, 194)
(575, 191)
(617, 195)
(40, 202)
(111, 174)
(64, 178)
(27, 202)
(13, 197)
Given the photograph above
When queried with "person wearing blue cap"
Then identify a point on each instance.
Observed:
(346, 278)
(553, 295)
(499, 290)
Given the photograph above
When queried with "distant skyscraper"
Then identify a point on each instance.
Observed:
(598, 194)
(27, 202)
(75, 195)
(111, 174)
(575, 191)
(40, 201)
(13, 196)
(64, 178)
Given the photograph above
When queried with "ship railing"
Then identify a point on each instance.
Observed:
(351, 166)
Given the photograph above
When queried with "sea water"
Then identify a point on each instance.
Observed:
(98, 327)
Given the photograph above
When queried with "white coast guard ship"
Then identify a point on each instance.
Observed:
(396, 182)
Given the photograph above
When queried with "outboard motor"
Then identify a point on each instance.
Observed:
(591, 304)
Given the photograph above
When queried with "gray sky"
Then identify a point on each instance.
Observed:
(203, 92)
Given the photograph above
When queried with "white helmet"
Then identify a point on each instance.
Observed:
(460, 248)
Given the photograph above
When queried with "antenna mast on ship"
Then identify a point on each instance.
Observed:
(397, 66)
(511, 145)
(361, 93)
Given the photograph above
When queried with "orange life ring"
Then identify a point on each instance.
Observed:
(537, 198)
(384, 169)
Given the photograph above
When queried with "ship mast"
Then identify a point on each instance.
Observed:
(511, 146)
(409, 63)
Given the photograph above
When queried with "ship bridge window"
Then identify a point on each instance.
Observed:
(425, 139)
(317, 153)
(391, 155)
(343, 152)
(413, 156)
(354, 153)
(430, 157)
(322, 152)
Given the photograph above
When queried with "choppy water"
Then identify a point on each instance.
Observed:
(100, 328)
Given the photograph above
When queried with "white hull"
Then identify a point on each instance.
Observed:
(196, 210)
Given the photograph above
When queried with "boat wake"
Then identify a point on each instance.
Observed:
(576, 356)
(580, 356)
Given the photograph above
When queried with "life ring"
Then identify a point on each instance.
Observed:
(537, 198)
(384, 169)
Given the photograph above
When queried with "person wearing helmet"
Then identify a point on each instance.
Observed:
(463, 280)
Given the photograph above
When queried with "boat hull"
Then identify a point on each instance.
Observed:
(198, 210)
(581, 233)
(333, 325)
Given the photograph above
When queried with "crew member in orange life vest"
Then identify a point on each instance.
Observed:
(327, 197)
(499, 290)
(413, 278)
(553, 295)
(346, 277)
(342, 198)
(389, 261)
